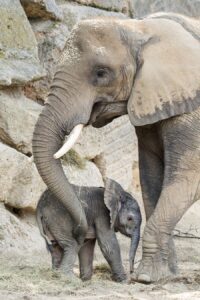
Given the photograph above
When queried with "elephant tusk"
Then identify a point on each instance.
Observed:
(72, 138)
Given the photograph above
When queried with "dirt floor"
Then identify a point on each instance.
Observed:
(31, 278)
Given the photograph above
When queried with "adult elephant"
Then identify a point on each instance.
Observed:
(149, 69)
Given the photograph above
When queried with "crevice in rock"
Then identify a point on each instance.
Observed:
(94, 5)
(17, 212)
(4, 139)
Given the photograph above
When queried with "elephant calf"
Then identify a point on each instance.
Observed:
(107, 210)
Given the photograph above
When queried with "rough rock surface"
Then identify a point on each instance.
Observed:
(18, 48)
(74, 13)
(45, 9)
(113, 148)
(87, 176)
(187, 7)
(124, 6)
(51, 37)
(120, 152)
(189, 225)
(20, 184)
(18, 116)
(19, 235)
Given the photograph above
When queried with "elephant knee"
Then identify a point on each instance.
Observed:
(56, 255)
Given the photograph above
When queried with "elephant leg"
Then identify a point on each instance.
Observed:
(56, 255)
(109, 246)
(86, 256)
(150, 166)
(180, 189)
(70, 252)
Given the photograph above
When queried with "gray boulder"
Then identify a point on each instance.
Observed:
(189, 8)
(123, 6)
(19, 61)
(20, 183)
(18, 116)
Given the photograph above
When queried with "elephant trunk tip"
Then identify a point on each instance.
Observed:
(75, 133)
(133, 247)
(131, 263)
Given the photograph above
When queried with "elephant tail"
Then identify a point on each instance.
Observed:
(42, 226)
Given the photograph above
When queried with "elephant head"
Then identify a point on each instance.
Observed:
(147, 68)
(125, 214)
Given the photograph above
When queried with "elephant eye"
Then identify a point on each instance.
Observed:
(102, 76)
(101, 73)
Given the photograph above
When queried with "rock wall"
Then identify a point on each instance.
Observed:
(189, 8)
(33, 35)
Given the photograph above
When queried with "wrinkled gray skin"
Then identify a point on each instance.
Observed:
(107, 211)
(149, 69)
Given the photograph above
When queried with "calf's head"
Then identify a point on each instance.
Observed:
(125, 215)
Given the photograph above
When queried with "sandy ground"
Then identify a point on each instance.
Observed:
(31, 278)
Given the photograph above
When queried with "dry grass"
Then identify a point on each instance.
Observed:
(72, 158)
(31, 278)
(40, 279)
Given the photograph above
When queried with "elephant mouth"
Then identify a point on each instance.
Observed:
(104, 113)
(124, 230)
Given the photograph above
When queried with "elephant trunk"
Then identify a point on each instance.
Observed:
(133, 248)
(58, 118)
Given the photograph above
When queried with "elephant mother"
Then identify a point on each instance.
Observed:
(149, 69)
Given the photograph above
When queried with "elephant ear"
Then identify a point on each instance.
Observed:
(167, 81)
(112, 198)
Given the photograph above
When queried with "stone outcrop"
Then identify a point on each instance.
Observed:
(124, 6)
(45, 9)
(189, 8)
(19, 234)
(19, 61)
(113, 148)
(51, 38)
(74, 13)
(18, 116)
(189, 225)
(20, 184)
(88, 175)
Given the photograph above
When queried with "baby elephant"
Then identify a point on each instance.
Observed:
(107, 210)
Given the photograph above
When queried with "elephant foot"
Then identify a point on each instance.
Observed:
(73, 279)
(152, 270)
(68, 275)
(159, 259)
(119, 278)
(86, 277)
